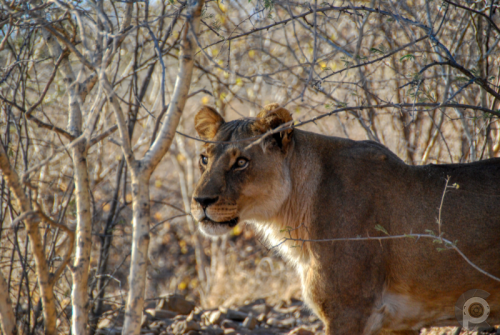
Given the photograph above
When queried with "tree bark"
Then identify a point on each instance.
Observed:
(80, 273)
(141, 170)
(32, 221)
(7, 317)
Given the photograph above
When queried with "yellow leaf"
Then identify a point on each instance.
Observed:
(158, 183)
(236, 231)
(181, 158)
(222, 7)
(251, 54)
(205, 100)
(182, 286)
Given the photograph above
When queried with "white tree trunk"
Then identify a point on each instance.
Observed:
(80, 273)
(140, 246)
(141, 170)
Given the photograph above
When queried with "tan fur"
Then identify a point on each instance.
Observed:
(207, 121)
(309, 187)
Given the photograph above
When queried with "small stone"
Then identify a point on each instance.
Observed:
(261, 317)
(301, 331)
(176, 303)
(273, 322)
(160, 313)
(235, 315)
(212, 330)
(229, 332)
(261, 309)
(182, 327)
(226, 324)
(250, 322)
(216, 317)
(154, 325)
(193, 332)
(205, 318)
(287, 323)
(150, 304)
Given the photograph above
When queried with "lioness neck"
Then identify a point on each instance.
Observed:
(290, 226)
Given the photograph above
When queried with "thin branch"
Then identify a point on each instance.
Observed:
(71, 244)
(490, 21)
(448, 244)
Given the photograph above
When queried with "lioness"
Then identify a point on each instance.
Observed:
(328, 188)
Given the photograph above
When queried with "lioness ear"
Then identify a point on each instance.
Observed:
(207, 122)
(271, 117)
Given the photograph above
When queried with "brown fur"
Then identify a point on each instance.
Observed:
(326, 187)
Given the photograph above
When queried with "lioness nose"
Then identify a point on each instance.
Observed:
(205, 202)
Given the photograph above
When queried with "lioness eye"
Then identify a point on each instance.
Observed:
(241, 163)
(204, 160)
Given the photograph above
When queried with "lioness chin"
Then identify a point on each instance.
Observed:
(320, 187)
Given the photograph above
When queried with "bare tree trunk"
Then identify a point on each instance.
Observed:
(32, 221)
(141, 170)
(80, 273)
(7, 317)
(140, 245)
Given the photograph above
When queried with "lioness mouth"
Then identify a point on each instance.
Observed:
(231, 223)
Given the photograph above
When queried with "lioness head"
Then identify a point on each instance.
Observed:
(242, 180)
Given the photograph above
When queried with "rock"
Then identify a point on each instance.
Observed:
(301, 331)
(235, 315)
(228, 324)
(229, 332)
(157, 325)
(176, 303)
(108, 331)
(150, 304)
(183, 327)
(261, 317)
(160, 313)
(287, 323)
(193, 332)
(216, 317)
(250, 322)
(257, 307)
(273, 322)
(261, 309)
(289, 310)
(212, 330)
